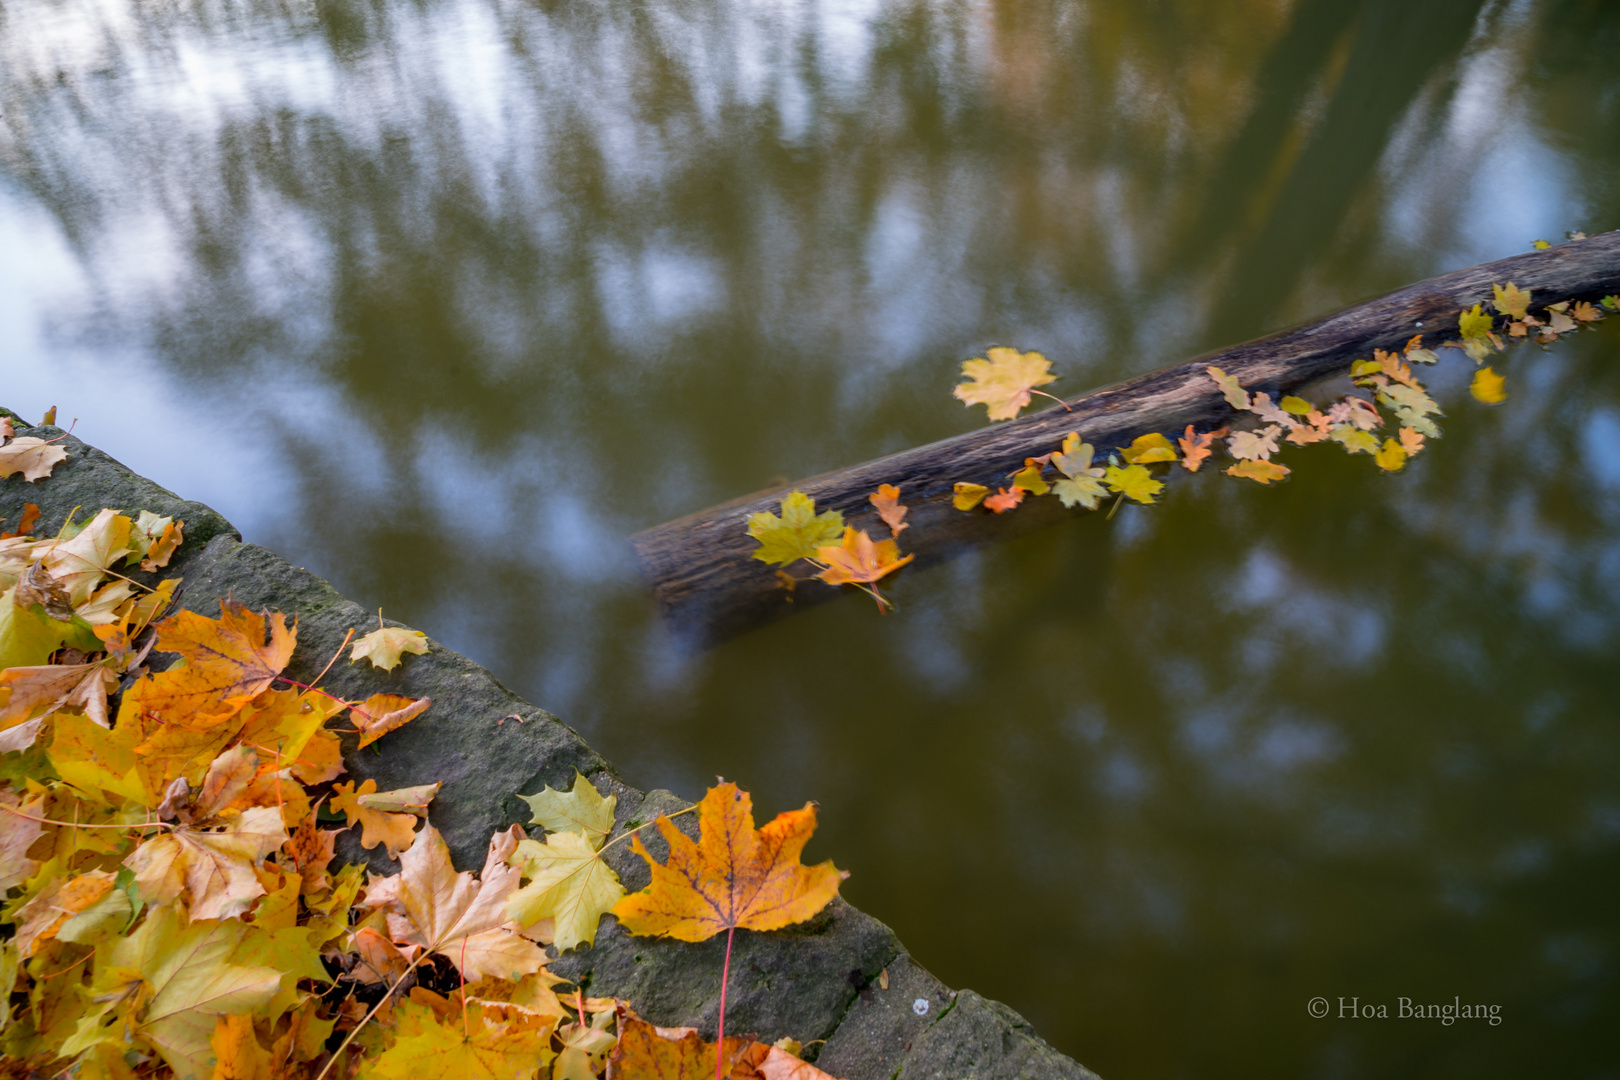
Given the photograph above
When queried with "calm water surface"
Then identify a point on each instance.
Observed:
(445, 298)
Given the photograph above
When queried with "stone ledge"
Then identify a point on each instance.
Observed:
(818, 981)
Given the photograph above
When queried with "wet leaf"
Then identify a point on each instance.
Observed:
(1081, 484)
(966, 496)
(1411, 441)
(1261, 472)
(1236, 396)
(1474, 324)
(797, 534)
(733, 876)
(887, 501)
(384, 647)
(1298, 406)
(1002, 382)
(1133, 481)
(1004, 499)
(1354, 440)
(859, 559)
(1254, 445)
(1149, 448)
(1511, 300)
(1391, 457)
(1488, 387)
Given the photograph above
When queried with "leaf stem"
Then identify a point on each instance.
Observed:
(1054, 397)
(720, 1036)
(367, 1018)
(81, 825)
(628, 833)
(340, 649)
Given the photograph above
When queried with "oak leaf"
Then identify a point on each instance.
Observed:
(568, 883)
(394, 831)
(1003, 380)
(381, 713)
(1271, 414)
(31, 456)
(1260, 471)
(1236, 396)
(1133, 481)
(859, 559)
(1488, 387)
(886, 499)
(228, 661)
(384, 647)
(582, 810)
(733, 876)
(966, 496)
(1254, 445)
(1411, 441)
(1004, 499)
(797, 534)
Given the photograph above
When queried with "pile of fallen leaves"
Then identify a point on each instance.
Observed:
(167, 877)
(1004, 380)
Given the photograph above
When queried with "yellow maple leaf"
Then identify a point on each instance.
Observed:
(1511, 300)
(489, 1043)
(859, 559)
(63, 898)
(733, 876)
(1003, 380)
(1029, 478)
(582, 810)
(228, 661)
(1488, 387)
(1133, 481)
(568, 883)
(212, 869)
(796, 534)
(384, 647)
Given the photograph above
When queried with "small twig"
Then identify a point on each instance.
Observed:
(81, 825)
(1054, 397)
(340, 649)
(627, 834)
(1117, 501)
(367, 1018)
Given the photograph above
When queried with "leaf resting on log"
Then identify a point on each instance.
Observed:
(701, 567)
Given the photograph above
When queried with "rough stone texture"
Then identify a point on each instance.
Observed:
(819, 980)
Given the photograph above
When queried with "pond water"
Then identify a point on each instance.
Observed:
(446, 298)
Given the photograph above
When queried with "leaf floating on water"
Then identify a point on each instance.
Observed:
(1391, 457)
(1147, 449)
(1082, 483)
(1261, 472)
(1354, 439)
(1002, 383)
(1265, 410)
(1004, 499)
(1488, 387)
(1411, 441)
(1298, 406)
(797, 533)
(1511, 300)
(1133, 481)
(1254, 445)
(966, 496)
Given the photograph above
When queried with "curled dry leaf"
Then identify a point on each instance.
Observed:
(381, 713)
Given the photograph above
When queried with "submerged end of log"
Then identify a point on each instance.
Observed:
(707, 583)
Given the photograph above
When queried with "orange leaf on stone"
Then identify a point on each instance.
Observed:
(381, 713)
(859, 559)
(394, 831)
(733, 876)
(228, 662)
(887, 501)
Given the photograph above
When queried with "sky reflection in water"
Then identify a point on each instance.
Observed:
(445, 299)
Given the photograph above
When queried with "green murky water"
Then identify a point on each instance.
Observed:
(445, 298)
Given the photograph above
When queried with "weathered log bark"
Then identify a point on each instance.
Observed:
(701, 566)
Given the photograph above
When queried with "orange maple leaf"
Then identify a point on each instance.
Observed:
(887, 500)
(1004, 499)
(733, 876)
(229, 661)
(859, 559)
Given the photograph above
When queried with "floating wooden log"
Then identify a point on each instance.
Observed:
(701, 567)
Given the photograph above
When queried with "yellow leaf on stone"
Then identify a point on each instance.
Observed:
(384, 647)
(1488, 387)
(582, 810)
(568, 882)
(395, 832)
